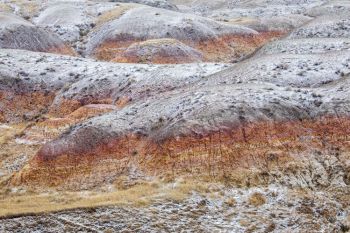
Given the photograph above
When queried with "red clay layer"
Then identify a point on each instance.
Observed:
(18, 105)
(297, 135)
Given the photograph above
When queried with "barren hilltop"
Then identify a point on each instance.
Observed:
(175, 116)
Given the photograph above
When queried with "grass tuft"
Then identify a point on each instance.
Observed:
(257, 199)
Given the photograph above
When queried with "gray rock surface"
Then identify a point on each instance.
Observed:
(333, 7)
(305, 46)
(283, 23)
(325, 26)
(297, 70)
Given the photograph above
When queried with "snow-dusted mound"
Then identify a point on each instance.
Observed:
(17, 33)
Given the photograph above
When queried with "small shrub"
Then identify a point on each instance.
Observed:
(257, 199)
(230, 202)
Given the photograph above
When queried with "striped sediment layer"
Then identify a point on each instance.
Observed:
(218, 153)
(34, 84)
(17, 107)
(227, 48)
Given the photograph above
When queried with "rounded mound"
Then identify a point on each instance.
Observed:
(333, 7)
(16, 33)
(328, 26)
(213, 39)
(159, 51)
(305, 46)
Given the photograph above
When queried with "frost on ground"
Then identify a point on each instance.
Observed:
(236, 120)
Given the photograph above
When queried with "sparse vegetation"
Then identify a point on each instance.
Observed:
(114, 13)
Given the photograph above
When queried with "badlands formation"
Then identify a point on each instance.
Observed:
(175, 116)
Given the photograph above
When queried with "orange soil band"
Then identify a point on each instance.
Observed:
(17, 105)
(245, 146)
(295, 135)
(242, 147)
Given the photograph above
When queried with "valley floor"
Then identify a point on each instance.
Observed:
(216, 209)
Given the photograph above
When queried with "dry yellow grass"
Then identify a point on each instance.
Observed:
(182, 189)
(27, 8)
(9, 132)
(4, 7)
(138, 195)
(230, 202)
(114, 13)
(157, 42)
(257, 199)
(243, 20)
